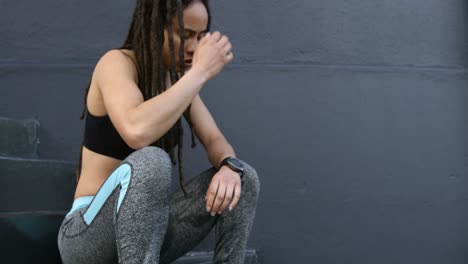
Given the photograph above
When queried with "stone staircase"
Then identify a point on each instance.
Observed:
(36, 194)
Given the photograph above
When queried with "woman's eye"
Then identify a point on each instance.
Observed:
(201, 36)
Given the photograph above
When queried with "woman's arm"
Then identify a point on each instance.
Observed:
(208, 133)
(225, 188)
(141, 122)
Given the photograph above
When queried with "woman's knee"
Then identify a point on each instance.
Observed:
(152, 166)
(250, 180)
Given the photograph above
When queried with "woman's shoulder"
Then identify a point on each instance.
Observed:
(117, 61)
(117, 55)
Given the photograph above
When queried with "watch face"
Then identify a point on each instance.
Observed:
(236, 163)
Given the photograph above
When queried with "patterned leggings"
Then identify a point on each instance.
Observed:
(134, 219)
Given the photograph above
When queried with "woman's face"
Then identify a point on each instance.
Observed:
(195, 26)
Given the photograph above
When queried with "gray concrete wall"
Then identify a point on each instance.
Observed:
(353, 114)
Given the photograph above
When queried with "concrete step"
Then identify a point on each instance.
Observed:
(19, 137)
(36, 185)
(31, 237)
(207, 258)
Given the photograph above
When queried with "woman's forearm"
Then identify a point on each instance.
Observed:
(153, 118)
(219, 149)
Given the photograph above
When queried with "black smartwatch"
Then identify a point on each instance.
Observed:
(234, 164)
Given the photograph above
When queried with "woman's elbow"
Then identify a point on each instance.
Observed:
(136, 138)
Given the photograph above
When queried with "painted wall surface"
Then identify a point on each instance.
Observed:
(352, 112)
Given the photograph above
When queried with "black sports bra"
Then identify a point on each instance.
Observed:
(101, 137)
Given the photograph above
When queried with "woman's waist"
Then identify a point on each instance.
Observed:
(88, 186)
(80, 202)
(93, 174)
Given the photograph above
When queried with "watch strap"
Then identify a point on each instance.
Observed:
(225, 161)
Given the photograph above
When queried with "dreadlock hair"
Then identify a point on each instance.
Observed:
(146, 38)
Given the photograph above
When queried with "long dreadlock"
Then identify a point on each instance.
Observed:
(146, 39)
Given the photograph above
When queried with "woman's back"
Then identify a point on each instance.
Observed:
(97, 167)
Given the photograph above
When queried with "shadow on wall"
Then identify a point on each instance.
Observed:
(465, 41)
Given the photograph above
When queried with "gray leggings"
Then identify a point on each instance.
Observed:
(134, 219)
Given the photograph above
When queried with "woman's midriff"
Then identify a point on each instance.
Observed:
(95, 169)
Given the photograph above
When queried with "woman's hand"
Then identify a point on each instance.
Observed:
(212, 53)
(224, 191)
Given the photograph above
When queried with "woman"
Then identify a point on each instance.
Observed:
(123, 211)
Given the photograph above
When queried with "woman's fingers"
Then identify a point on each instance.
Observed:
(229, 57)
(223, 41)
(214, 38)
(218, 200)
(235, 199)
(227, 198)
(223, 192)
(204, 38)
(211, 195)
(227, 48)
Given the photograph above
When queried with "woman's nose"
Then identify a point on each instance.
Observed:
(192, 45)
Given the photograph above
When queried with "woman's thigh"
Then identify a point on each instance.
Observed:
(80, 242)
